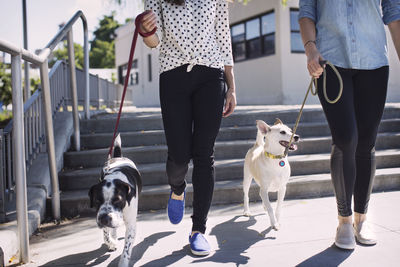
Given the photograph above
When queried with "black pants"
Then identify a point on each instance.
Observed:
(191, 106)
(354, 122)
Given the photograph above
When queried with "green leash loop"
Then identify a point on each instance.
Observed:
(313, 83)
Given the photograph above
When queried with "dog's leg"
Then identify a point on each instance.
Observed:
(128, 246)
(130, 214)
(110, 235)
(268, 208)
(281, 196)
(246, 187)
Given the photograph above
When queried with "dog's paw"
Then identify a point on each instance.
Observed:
(276, 226)
(247, 213)
(112, 247)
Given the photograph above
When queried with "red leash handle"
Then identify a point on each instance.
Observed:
(138, 21)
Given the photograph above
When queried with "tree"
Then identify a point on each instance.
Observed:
(102, 51)
(62, 54)
(5, 85)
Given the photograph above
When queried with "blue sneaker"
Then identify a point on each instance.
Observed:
(199, 245)
(176, 209)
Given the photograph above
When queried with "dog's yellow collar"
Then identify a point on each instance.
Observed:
(272, 156)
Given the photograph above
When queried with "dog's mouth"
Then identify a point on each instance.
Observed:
(292, 147)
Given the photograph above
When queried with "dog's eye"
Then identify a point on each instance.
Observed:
(283, 132)
(116, 200)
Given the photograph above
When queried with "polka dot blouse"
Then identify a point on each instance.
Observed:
(196, 33)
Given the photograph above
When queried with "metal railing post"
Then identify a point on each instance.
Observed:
(27, 89)
(86, 69)
(55, 200)
(19, 157)
(2, 182)
(74, 92)
(98, 91)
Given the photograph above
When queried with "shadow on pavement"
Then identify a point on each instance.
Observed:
(90, 258)
(330, 257)
(234, 238)
(140, 249)
(170, 259)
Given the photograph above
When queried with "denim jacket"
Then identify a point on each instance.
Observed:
(350, 33)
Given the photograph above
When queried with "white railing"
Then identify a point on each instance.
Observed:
(19, 135)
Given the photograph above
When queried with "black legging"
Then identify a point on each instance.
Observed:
(191, 106)
(354, 122)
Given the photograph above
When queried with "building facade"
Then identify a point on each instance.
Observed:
(270, 64)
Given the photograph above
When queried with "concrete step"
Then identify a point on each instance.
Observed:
(223, 150)
(228, 169)
(155, 197)
(246, 117)
(157, 137)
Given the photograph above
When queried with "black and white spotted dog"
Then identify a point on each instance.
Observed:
(115, 198)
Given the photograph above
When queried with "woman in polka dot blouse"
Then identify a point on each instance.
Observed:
(196, 64)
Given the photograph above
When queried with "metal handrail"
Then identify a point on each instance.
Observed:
(18, 140)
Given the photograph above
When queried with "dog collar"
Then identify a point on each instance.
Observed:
(272, 156)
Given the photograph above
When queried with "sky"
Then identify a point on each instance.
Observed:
(44, 16)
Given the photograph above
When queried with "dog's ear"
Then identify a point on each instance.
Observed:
(130, 189)
(95, 194)
(263, 127)
(278, 121)
(92, 195)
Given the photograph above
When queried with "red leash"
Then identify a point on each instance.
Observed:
(138, 20)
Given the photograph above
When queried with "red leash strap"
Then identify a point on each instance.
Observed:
(138, 20)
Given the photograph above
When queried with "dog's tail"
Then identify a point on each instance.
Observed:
(117, 147)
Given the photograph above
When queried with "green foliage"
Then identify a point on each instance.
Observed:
(113, 78)
(5, 85)
(5, 117)
(102, 54)
(102, 51)
(34, 84)
(62, 54)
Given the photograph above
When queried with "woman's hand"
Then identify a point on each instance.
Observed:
(230, 102)
(313, 59)
(149, 22)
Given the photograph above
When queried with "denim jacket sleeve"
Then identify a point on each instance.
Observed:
(390, 10)
(308, 9)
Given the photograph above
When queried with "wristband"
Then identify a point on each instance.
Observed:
(309, 41)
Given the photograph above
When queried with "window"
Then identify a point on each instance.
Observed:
(134, 74)
(254, 37)
(268, 33)
(238, 42)
(296, 43)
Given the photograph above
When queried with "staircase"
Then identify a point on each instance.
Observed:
(143, 141)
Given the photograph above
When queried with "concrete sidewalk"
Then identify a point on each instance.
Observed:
(305, 239)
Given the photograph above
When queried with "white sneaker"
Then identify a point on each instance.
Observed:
(364, 234)
(345, 236)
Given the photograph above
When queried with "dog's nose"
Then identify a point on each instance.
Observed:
(105, 220)
(296, 138)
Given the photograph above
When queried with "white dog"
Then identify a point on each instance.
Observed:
(267, 164)
(115, 198)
